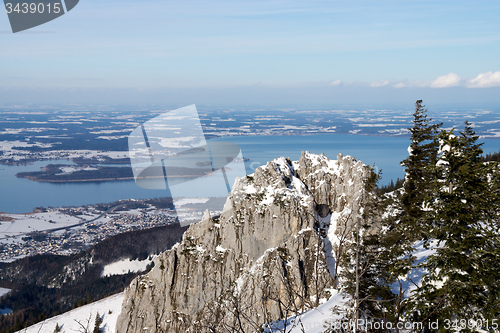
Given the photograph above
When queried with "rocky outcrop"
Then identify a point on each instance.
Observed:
(269, 255)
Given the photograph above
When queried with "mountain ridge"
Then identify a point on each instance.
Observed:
(272, 253)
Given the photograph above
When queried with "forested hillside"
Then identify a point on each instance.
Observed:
(47, 285)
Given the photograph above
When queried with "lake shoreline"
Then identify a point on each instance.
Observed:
(21, 195)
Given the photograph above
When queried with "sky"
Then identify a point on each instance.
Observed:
(257, 52)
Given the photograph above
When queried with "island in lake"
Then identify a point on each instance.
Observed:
(62, 173)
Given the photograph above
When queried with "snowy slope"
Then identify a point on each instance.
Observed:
(67, 321)
(124, 266)
(3, 291)
(324, 316)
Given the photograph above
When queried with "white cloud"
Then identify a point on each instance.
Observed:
(445, 81)
(485, 80)
(380, 83)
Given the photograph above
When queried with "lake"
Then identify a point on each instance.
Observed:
(19, 195)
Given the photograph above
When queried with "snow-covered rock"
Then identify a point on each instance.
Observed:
(266, 251)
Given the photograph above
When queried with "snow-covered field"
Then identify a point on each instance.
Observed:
(7, 146)
(25, 223)
(9, 152)
(109, 308)
(124, 266)
(187, 201)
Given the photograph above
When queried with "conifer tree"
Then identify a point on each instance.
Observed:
(403, 213)
(384, 257)
(420, 174)
(98, 323)
(450, 202)
(463, 276)
(404, 220)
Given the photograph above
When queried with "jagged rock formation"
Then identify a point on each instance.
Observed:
(270, 254)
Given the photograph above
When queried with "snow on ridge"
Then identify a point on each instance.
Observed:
(314, 158)
(250, 189)
(200, 249)
(283, 167)
(220, 249)
(301, 193)
(333, 167)
(298, 189)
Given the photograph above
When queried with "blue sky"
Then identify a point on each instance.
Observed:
(230, 51)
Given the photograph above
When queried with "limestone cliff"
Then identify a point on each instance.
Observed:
(272, 252)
